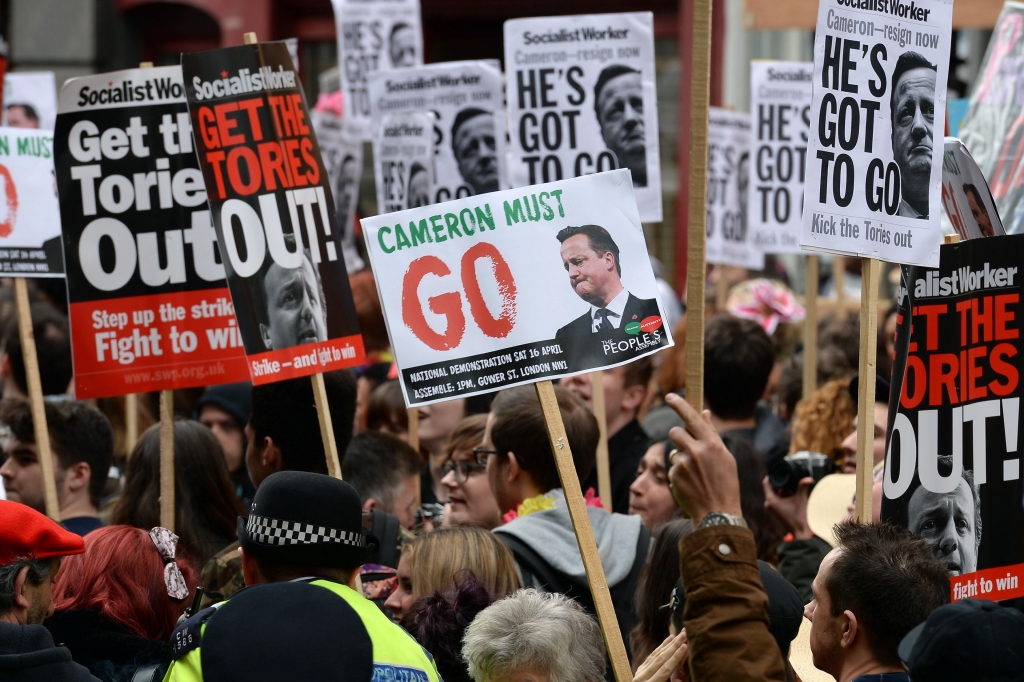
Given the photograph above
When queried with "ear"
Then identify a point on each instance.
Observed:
(370, 504)
(22, 600)
(77, 476)
(5, 365)
(850, 629)
(250, 573)
(270, 458)
(265, 335)
(514, 470)
(633, 396)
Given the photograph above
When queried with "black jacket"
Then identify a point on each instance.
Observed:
(586, 347)
(110, 651)
(625, 450)
(27, 654)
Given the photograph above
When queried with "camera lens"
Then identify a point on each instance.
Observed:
(782, 476)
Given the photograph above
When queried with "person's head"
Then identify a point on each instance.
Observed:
(82, 444)
(879, 425)
(435, 562)
(653, 591)
(205, 505)
(225, 410)
(402, 45)
(913, 112)
(22, 116)
(823, 420)
(31, 546)
(464, 474)
(625, 388)
(520, 463)
(877, 584)
(738, 358)
(951, 521)
(649, 494)
(419, 186)
(473, 142)
(768, 531)
(531, 635)
(53, 349)
(591, 257)
(121, 575)
(978, 210)
(283, 433)
(619, 105)
(439, 620)
(289, 302)
(385, 472)
(387, 412)
(303, 524)
(437, 421)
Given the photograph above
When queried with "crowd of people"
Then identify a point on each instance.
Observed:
(457, 560)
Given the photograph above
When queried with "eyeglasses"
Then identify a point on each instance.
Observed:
(485, 452)
(462, 470)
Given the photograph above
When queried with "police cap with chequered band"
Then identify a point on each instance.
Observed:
(286, 631)
(309, 519)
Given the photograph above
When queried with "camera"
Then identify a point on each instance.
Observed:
(785, 474)
(430, 511)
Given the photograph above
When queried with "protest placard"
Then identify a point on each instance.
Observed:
(728, 239)
(466, 99)
(149, 306)
(581, 99)
(343, 158)
(952, 463)
(780, 104)
(874, 171)
(989, 128)
(29, 212)
(373, 35)
(403, 161)
(30, 100)
(263, 170)
(965, 194)
(507, 288)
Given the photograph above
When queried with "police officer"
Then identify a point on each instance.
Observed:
(303, 528)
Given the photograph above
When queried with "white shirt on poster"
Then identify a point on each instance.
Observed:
(615, 308)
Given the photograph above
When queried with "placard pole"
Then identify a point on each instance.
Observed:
(700, 95)
(414, 427)
(584, 532)
(604, 474)
(323, 413)
(721, 290)
(811, 327)
(866, 387)
(35, 396)
(167, 515)
(839, 284)
(131, 422)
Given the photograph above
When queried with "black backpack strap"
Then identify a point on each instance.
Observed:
(385, 531)
(147, 673)
(546, 577)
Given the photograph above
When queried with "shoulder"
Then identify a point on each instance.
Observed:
(222, 575)
(189, 635)
(645, 304)
(581, 325)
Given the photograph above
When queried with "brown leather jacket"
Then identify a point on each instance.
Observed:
(726, 616)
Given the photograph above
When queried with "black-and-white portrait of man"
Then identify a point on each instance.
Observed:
(402, 45)
(346, 190)
(950, 521)
(473, 143)
(619, 105)
(913, 119)
(418, 191)
(289, 302)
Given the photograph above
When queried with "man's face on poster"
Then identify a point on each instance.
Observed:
(18, 117)
(980, 214)
(948, 521)
(295, 307)
(743, 181)
(620, 109)
(476, 153)
(590, 275)
(348, 177)
(913, 118)
(419, 190)
(403, 47)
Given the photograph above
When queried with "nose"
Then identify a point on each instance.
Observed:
(809, 611)
(850, 444)
(920, 125)
(448, 480)
(636, 487)
(949, 539)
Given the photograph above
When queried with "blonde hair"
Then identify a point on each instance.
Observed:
(823, 420)
(437, 558)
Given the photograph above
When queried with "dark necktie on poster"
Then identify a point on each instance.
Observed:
(601, 317)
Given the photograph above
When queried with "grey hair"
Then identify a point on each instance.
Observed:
(38, 572)
(534, 630)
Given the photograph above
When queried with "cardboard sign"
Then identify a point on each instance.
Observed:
(30, 100)
(403, 161)
(503, 289)
(149, 306)
(728, 239)
(469, 126)
(29, 214)
(373, 35)
(780, 94)
(343, 158)
(989, 128)
(581, 99)
(273, 210)
(874, 167)
(966, 196)
(952, 464)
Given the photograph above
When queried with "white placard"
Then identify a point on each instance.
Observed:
(581, 99)
(30, 244)
(511, 287)
(373, 35)
(33, 95)
(343, 158)
(965, 194)
(403, 161)
(728, 239)
(874, 162)
(469, 129)
(780, 106)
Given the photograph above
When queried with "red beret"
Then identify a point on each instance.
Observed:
(25, 533)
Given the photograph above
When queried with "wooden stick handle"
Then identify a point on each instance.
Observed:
(604, 474)
(839, 284)
(866, 387)
(35, 395)
(131, 422)
(413, 415)
(323, 413)
(584, 532)
(811, 327)
(167, 515)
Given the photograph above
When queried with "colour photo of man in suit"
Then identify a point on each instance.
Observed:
(591, 259)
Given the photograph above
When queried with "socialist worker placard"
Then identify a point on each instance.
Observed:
(273, 210)
(511, 287)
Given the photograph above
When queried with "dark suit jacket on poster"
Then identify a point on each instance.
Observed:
(585, 347)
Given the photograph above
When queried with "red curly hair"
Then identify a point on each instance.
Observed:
(121, 575)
